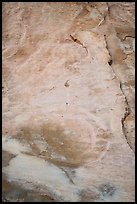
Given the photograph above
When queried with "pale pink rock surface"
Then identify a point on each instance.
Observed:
(68, 101)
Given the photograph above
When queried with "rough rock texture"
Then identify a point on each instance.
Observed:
(68, 101)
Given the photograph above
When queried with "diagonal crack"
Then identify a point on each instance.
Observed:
(127, 108)
(78, 41)
(67, 174)
(105, 15)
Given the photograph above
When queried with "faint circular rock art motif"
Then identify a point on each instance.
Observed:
(66, 141)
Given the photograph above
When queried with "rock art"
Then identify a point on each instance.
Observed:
(68, 101)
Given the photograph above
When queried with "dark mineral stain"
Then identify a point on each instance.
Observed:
(6, 157)
(11, 192)
(110, 62)
(107, 189)
(88, 195)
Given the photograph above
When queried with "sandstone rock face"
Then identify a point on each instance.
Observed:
(68, 101)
